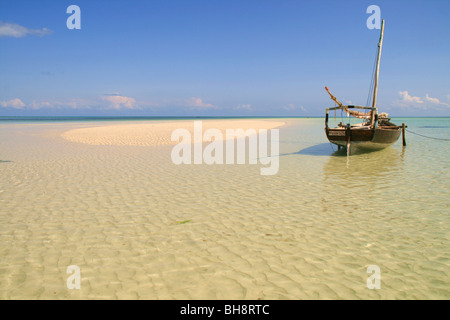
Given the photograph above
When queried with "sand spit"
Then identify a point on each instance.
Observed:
(156, 134)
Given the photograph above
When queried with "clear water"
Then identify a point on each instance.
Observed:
(309, 232)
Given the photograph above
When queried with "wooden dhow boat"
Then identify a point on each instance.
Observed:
(376, 131)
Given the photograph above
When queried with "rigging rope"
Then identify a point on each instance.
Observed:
(373, 80)
(427, 136)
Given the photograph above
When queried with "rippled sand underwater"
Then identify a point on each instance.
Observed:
(140, 227)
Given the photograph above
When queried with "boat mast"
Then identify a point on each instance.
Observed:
(377, 72)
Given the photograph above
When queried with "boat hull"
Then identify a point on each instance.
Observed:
(364, 138)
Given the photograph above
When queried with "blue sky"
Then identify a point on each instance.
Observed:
(220, 57)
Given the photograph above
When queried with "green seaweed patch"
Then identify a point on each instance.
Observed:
(183, 222)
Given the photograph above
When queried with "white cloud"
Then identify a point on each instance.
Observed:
(408, 98)
(247, 107)
(116, 101)
(197, 103)
(13, 103)
(18, 31)
(293, 107)
(111, 101)
(56, 104)
(104, 102)
(426, 103)
(434, 100)
(40, 104)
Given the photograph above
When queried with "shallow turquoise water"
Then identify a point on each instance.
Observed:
(308, 232)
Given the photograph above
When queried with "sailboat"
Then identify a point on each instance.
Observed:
(375, 131)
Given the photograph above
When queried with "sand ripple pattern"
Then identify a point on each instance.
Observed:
(140, 227)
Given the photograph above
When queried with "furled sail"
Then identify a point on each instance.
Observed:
(356, 114)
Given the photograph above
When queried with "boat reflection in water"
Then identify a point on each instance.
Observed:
(366, 183)
(365, 165)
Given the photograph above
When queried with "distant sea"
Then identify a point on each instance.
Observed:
(22, 119)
